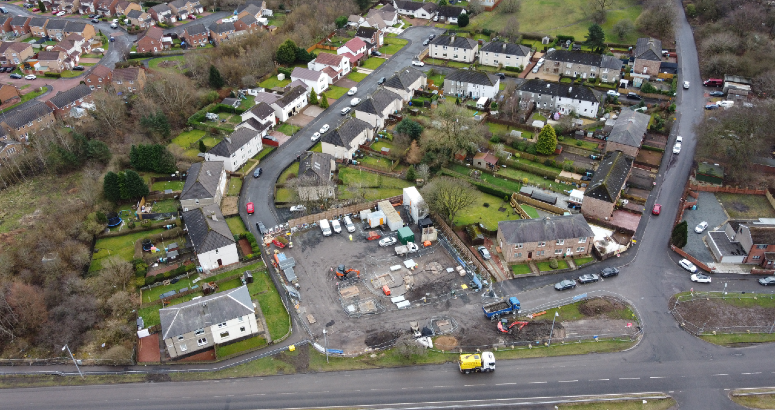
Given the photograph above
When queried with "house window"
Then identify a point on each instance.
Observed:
(582, 240)
(180, 337)
(239, 319)
(557, 251)
(761, 246)
(201, 342)
(540, 253)
(518, 246)
(561, 242)
(580, 249)
(541, 244)
(518, 255)
(242, 328)
(183, 347)
(199, 332)
(756, 257)
(224, 335)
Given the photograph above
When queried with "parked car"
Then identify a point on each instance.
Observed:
(112, 39)
(387, 241)
(594, 156)
(113, 25)
(700, 278)
(484, 252)
(571, 205)
(716, 94)
(250, 208)
(95, 21)
(431, 37)
(261, 228)
(315, 136)
(536, 68)
(16, 76)
(352, 91)
(701, 227)
(565, 284)
(613, 93)
(30, 77)
(687, 265)
(346, 110)
(711, 106)
(426, 42)
(657, 209)
(609, 272)
(679, 138)
(79, 68)
(35, 9)
(257, 173)
(61, 13)
(298, 208)
(376, 53)
(677, 148)
(355, 101)
(418, 63)
(324, 128)
(99, 50)
(588, 278)
(726, 104)
(769, 280)
(501, 76)
(586, 178)
(686, 85)
(634, 96)
(381, 80)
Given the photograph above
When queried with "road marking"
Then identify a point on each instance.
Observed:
(656, 377)
(473, 385)
(538, 382)
(567, 381)
(504, 384)
(724, 374)
(754, 373)
(439, 386)
(629, 378)
(603, 380)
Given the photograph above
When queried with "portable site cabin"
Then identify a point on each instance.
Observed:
(392, 218)
(405, 235)
(417, 207)
(376, 219)
(576, 196)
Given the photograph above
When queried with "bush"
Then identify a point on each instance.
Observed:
(53, 75)
(680, 235)
(553, 264)
(495, 139)
(561, 38)
(283, 70)
(170, 274)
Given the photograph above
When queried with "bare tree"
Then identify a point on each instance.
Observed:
(116, 272)
(454, 129)
(448, 196)
(109, 112)
(121, 303)
(764, 83)
(598, 9)
(509, 6)
(658, 18)
(475, 6)
(623, 28)
(511, 29)
(423, 172)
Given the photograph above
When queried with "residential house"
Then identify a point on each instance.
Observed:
(195, 35)
(211, 237)
(317, 80)
(55, 28)
(69, 6)
(222, 31)
(355, 20)
(246, 24)
(471, 84)
(64, 101)
(261, 4)
(20, 25)
(415, 9)
(9, 94)
(564, 98)
(232, 102)
(15, 53)
(139, 18)
(485, 160)
(50, 61)
(73, 46)
(162, 13)
(38, 26)
(343, 141)
(373, 37)
(200, 324)
(339, 65)
(236, 149)
(105, 8)
(86, 7)
(454, 48)
(84, 30)
(184, 8)
(264, 97)
(606, 186)
(251, 10)
(261, 113)
(584, 65)
(290, 103)
(501, 54)
(386, 14)
(526, 240)
(648, 56)
(449, 14)
(378, 107)
(205, 185)
(315, 176)
(406, 81)
(150, 41)
(124, 7)
(5, 24)
(748, 242)
(20, 123)
(100, 76)
(628, 132)
(130, 79)
(354, 50)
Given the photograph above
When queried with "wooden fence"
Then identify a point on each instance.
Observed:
(727, 189)
(339, 212)
(517, 198)
(461, 247)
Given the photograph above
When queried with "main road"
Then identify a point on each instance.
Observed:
(667, 359)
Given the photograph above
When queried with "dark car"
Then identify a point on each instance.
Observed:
(564, 285)
(261, 228)
(716, 94)
(634, 96)
(16, 76)
(711, 107)
(571, 205)
(608, 272)
(79, 68)
(257, 173)
(432, 36)
(588, 278)
(376, 53)
(769, 280)
(594, 156)
(381, 80)
(586, 178)
(147, 245)
(501, 76)
(112, 39)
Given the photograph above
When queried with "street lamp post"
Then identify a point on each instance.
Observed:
(552, 331)
(72, 357)
(325, 338)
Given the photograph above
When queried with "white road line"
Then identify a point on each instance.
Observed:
(603, 380)
(724, 374)
(656, 377)
(504, 384)
(439, 386)
(538, 382)
(754, 373)
(567, 381)
(629, 378)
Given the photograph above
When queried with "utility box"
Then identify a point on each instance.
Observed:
(418, 209)
(405, 235)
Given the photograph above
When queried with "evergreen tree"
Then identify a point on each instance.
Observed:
(216, 81)
(122, 186)
(323, 100)
(443, 3)
(363, 4)
(98, 151)
(547, 141)
(202, 147)
(596, 38)
(41, 6)
(153, 158)
(411, 174)
(462, 20)
(286, 53)
(110, 187)
(313, 97)
(411, 128)
(341, 21)
(156, 124)
(680, 234)
(135, 186)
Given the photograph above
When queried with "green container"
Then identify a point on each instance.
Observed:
(405, 235)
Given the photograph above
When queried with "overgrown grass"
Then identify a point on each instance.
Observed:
(520, 269)
(635, 404)
(534, 179)
(235, 186)
(292, 169)
(154, 63)
(288, 129)
(273, 82)
(489, 215)
(264, 291)
(544, 266)
(123, 246)
(236, 225)
(746, 206)
(153, 294)
(241, 346)
(759, 401)
(336, 92)
(491, 179)
(350, 177)
(372, 63)
(163, 185)
(357, 77)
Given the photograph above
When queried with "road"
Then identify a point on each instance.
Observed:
(667, 359)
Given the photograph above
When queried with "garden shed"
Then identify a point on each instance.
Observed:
(405, 235)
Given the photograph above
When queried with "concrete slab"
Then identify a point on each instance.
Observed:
(710, 211)
(312, 111)
(625, 219)
(300, 120)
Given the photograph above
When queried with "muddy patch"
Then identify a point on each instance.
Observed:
(157, 378)
(376, 340)
(300, 360)
(717, 313)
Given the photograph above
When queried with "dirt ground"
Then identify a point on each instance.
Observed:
(655, 140)
(230, 205)
(717, 313)
(650, 158)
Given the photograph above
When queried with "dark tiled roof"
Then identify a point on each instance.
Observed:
(258, 3)
(315, 165)
(50, 55)
(383, 98)
(449, 11)
(366, 106)
(126, 74)
(248, 20)
(455, 41)
(262, 110)
(611, 62)
(762, 235)
(221, 28)
(133, 14)
(178, 3)
(344, 135)
(193, 315)
(196, 29)
(55, 24)
(648, 49)
(21, 117)
(38, 21)
(69, 96)
(75, 26)
(19, 20)
(545, 229)
(254, 124)
(306, 74)
(413, 5)
(252, 9)
(101, 71)
(366, 32)
(473, 77)
(575, 57)
(207, 228)
(576, 92)
(506, 48)
(290, 96)
(233, 142)
(161, 8)
(267, 98)
(610, 177)
(629, 128)
(404, 78)
(202, 180)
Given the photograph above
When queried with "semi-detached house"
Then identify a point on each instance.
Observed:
(499, 53)
(260, 117)
(205, 185)
(553, 237)
(454, 48)
(21, 123)
(606, 186)
(648, 56)
(38, 26)
(565, 98)
(99, 77)
(471, 84)
(290, 103)
(211, 237)
(420, 10)
(745, 241)
(584, 65)
(222, 31)
(375, 109)
(64, 101)
(343, 141)
(406, 81)
(150, 41)
(236, 149)
(628, 132)
(15, 53)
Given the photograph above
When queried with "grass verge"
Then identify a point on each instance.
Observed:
(335, 92)
(634, 404)
(373, 62)
(288, 129)
(581, 261)
(357, 77)
(734, 339)
(759, 401)
(236, 225)
(265, 293)
(241, 346)
(520, 269)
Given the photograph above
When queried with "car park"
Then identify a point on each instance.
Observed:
(769, 280)
(609, 272)
(657, 209)
(716, 94)
(261, 228)
(484, 252)
(701, 227)
(684, 263)
(418, 63)
(565, 284)
(686, 85)
(677, 148)
(346, 110)
(257, 173)
(588, 278)
(387, 241)
(711, 106)
(700, 278)
(336, 226)
(16, 76)
(634, 96)
(30, 77)
(352, 91)
(355, 101)
(613, 93)
(315, 136)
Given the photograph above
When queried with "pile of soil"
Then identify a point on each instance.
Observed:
(539, 330)
(445, 343)
(381, 339)
(600, 306)
(157, 377)
(717, 313)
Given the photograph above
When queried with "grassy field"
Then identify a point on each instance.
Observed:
(283, 195)
(317, 147)
(236, 225)
(71, 73)
(357, 77)
(759, 401)
(533, 179)
(292, 169)
(320, 50)
(378, 163)
(491, 179)
(377, 146)
(376, 186)
(154, 63)
(530, 211)
(165, 206)
(273, 82)
(162, 185)
(264, 152)
(336, 92)
(241, 346)
(235, 186)
(520, 269)
(373, 62)
(437, 79)
(746, 206)
(502, 129)
(581, 261)
(544, 266)
(123, 246)
(263, 290)
(487, 215)
(288, 129)
(392, 45)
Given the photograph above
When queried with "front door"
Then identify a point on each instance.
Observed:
(530, 255)
(568, 251)
(220, 262)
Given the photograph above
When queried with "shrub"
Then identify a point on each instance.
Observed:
(495, 139)
(553, 264)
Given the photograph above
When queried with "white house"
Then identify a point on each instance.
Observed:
(199, 324)
(205, 185)
(353, 50)
(236, 149)
(290, 103)
(420, 10)
(449, 14)
(376, 109)
(339, 65)
(261, 113)
(498, 53)
(342, 142)
(471, 84)
(211, 237)
(386, 14)
(317, 80)
(564, 98)
(454, 48)
(406, 82)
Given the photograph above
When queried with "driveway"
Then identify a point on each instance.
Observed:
(710, 211)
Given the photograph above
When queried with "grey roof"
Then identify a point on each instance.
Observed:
(576, 92)
(133, 14)
(249, 19)
(267, 98)
(178, 3)
(629, 128)
(202, 180)
(254, 124)
(764, 234)
(233, 142)
(204, 312)
(611, 62)
(316, 165)
(38, 21)
(207, 228)
(75, 26)
(262, 110)
(367, 105)
(404, 78)
(20, 117)
(221, 28)
(575, 57)
(290, 96)
(610, 177)
(258, 3)
(648, 49)
(545, 229)
(383, 98)
(232, 102)
(56, 24)
(413, 5)
(252, 9)
(473, 77)
(49, 55)
(506, 48)
(449, 11)
(19, 20)
(365, 32)
(347, 131)
(455, 41)
(306, 74)
(195, 29)
(62, 98)
(161, 8)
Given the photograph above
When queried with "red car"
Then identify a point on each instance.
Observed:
(657, 209)
(36, 9)
(250, 207)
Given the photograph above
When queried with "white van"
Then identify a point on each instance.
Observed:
(348, 223)
(325, 227)
(337, 227)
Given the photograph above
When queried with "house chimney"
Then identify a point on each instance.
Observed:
(570, 89)
(208, 173)
(504, 46)
(228, 139)
(452, 39)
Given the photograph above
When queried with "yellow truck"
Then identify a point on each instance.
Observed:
(477, 362)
